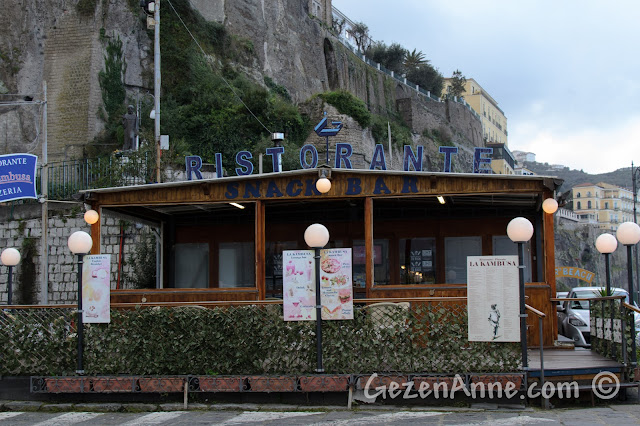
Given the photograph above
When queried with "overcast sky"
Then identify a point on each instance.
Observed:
(566, 73)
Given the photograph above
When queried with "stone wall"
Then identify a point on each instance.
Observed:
(21, 227)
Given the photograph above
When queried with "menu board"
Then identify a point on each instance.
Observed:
(493, 298)
(96, 289)
(336, 291)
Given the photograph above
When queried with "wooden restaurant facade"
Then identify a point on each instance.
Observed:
(410, 232)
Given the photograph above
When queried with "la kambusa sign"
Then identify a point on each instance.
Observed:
(17, 176)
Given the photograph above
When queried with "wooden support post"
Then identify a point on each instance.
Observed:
(260, 250)
(368, 244)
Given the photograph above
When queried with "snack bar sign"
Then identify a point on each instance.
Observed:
(17, 176)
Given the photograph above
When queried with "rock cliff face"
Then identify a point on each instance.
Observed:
(50, 41)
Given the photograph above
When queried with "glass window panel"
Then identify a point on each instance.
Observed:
(417, 260)
(236, 265)
(502, 246)
(273, 266)
(192, 265)
(380, 262)
(456, 251)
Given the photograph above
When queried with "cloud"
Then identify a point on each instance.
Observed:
(594, 150)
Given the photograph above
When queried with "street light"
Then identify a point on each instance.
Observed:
(10, 257)
(550, 206)
(91, 217)
(323, 184)
(317, 236)
(80, 244)
(520, 231)
(607, 244)
(628, 234)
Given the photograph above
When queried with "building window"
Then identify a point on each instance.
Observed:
(417, 260)
(456, 251)
(589, 204)
(578, 195)
(236, 264)
(192, 265)
(579, 205)
(503, 246)
(606, 205)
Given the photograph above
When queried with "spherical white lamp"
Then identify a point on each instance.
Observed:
(80, 242)
(316, 236)
(10, 257)
(606, 243)
(323, 185)
(91, 217)
(628, 233)
(550, 206)
(520, 230)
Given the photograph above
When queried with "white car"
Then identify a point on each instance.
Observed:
(575, 323)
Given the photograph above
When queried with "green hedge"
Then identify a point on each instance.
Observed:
(250, 340)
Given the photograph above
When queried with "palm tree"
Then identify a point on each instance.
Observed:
(413, 60)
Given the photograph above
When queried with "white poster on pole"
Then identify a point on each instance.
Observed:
(96, 289)
(299, 284)
(493, 298)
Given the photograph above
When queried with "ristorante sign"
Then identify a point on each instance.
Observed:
(309, 159)
(17, 176)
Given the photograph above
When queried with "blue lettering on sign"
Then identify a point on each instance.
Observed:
(416, 160)
(343, 152)
(409, 185)
(353, 186)
(242, 161)
(194, 164)
(275, 153)
(310, 188)
(251, 190)
(232, 190)
(381, 187)
(17, 176)
(378, 159)
(291, 192)
(303, 156)
(219, 171)
(482, 163)
(272, 190)
(448, 151)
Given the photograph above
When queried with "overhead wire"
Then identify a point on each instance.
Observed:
(222, 77)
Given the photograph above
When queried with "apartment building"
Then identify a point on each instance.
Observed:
(609, 204)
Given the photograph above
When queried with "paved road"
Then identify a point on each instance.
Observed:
(627, 414)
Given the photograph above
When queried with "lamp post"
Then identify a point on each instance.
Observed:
(10, 257)
(607, 244)
(634, 179)
(628, 234)
(323, 184)
(520, 231)
(80, 244)
(317, 236)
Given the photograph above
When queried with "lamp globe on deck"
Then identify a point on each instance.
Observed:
(10, 257)
(316, 235)
(91, 217)
(628, 233)
(519, 230)
(323, 185)
(80, 242)
(550, 206)
(606, 243)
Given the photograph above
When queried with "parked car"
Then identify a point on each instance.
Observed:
(574, 318)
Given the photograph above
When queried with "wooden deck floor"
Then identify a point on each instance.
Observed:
(571, 362)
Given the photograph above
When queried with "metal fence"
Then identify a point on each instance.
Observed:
(213, 339)
(66, 178)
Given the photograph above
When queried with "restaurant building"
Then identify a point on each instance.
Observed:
(410, 232)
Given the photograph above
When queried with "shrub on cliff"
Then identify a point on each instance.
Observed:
(348, 104)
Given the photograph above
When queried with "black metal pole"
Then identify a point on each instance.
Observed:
(635, 220)
(632, 298)
(607, 273)
(327, 138)
(9, 287)
(80, 325)
(319, 368)
(523, 315)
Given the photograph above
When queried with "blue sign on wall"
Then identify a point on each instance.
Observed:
(17, 176)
